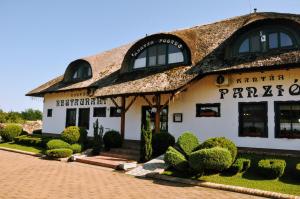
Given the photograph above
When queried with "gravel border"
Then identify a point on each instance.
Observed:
(21, 152)
(255, 192)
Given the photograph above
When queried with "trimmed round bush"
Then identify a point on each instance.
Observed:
(59, 153)
(215, 159)
(71, 134)
(271, 168)
(57, 144)
(188, 142)
(220, 142)
(176, 160)
(240, 165)
(10, 131)
(76, 148)
(112, 139)
(161, 142)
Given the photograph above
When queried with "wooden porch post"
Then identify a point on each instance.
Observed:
(123, 111)
(157, 113)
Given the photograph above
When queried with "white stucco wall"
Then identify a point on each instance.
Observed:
(57, 122)
(203, 91)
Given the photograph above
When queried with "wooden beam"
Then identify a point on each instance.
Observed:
(147, 100)
(130, 104)
(115, 103)
(157, 114)
(123, 112)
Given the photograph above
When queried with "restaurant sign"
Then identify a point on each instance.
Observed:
(81, 102)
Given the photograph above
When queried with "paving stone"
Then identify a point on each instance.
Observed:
(25, 177)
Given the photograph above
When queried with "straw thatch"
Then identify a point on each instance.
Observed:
(207, 44)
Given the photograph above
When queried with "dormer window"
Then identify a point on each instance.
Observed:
(159, 55)
(159, 52)
(78, 71)
(266, 38)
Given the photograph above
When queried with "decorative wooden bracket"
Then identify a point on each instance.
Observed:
(130, 104)
(148, 101)
(115, 103)
(167, 102)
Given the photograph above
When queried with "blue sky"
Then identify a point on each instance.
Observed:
(38, 39)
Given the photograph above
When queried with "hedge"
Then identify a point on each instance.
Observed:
(76, 148)
(215, 159)
(161, 142)
(240, 165)
(297, 170)
(220, 142)
(59, 153)
(29, 140)
(176, 160)
(112, 139)
(10, 131)
(188, 142)
(271, 168)
(57, 144)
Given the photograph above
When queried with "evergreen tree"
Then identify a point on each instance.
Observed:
(98, 138)
(146, 141)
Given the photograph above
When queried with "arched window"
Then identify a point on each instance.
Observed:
(265, 39)
(162, 52)
(78, 71)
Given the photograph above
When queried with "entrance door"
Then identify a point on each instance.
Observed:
(147, 111)
(84, 118)
(71, 117)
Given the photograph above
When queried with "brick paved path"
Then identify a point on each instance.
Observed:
(23, 176)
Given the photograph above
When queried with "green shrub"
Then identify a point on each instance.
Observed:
(297, 170)
(28, 140)
(175, 159)
(271, 168)
(76, 148)
(188, 142)
(161, 142)
(71, 134)
(57, 144)
(46, 139)
(112, 139)
(215, 159)
(220, 142)
(146, 142)
(240, 165)
(59, 153)
(10, 131)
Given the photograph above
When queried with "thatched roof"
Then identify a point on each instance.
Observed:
(207, 44)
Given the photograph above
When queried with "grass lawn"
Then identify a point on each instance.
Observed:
(12, 145)
(287, 184)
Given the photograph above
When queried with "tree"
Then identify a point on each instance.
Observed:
(146, 141)
(30, 114)
(2, 116)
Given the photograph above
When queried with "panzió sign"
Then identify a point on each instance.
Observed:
(261, 91)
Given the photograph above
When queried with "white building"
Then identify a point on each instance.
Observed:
(237, 78)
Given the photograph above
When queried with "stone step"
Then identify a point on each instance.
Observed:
(121, 156)
(103, 161)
